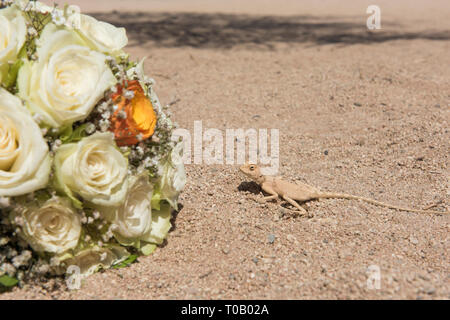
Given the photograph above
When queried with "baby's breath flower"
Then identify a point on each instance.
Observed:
(128, 94)
(140, 151)
(32, 31)
(103, 256)
(56, 144)
(90, 128)
(104, 125)
(8, 269)
(58, 17)
(18, 221)
(54, 262)
(43, 269)
(5, 202)
(22, 259)
(106, 115)
(96, 214)
(103, 107)
(149, 81)
(122, 114)
(147, 162)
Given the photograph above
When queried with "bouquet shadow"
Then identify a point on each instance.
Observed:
(225, 31)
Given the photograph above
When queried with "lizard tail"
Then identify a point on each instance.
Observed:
(330, 195)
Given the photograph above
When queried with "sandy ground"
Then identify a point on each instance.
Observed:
(358, 112)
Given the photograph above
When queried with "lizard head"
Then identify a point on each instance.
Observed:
(251, 170)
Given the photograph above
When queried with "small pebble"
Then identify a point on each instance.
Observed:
(430, 291)
(291, 238)
(413, 240)
(271, 238)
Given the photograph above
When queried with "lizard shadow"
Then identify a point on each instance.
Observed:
(250, 186)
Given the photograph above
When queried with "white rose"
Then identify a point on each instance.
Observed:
(12, 37)
(94, 169)
(67, 80)
(24, 158)
(102, 36)
(133, 218)
(173, 178)
(160, 224)
(91, 260)
(54, 227)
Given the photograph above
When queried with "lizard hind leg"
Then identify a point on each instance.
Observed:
(295, 204)
(268, 198)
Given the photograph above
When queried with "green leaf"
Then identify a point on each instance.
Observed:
(66, 190)
(65, 133)
(42, 195)
(132, 258)
(68, 135)
(8, 281)
(11, 77)
(79, 133)
(148, 249)
(23, 52)
(156, 200)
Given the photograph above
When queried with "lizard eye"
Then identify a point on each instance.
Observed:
(252, 168)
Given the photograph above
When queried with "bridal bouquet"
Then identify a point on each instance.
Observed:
(89, 172)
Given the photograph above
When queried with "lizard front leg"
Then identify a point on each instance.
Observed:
(268, 188)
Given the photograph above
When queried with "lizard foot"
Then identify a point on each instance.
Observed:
(299, 213)
(266, 199)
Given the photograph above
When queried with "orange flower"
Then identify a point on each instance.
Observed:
(134, 120)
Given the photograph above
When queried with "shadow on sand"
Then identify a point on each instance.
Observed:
(223, 31)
